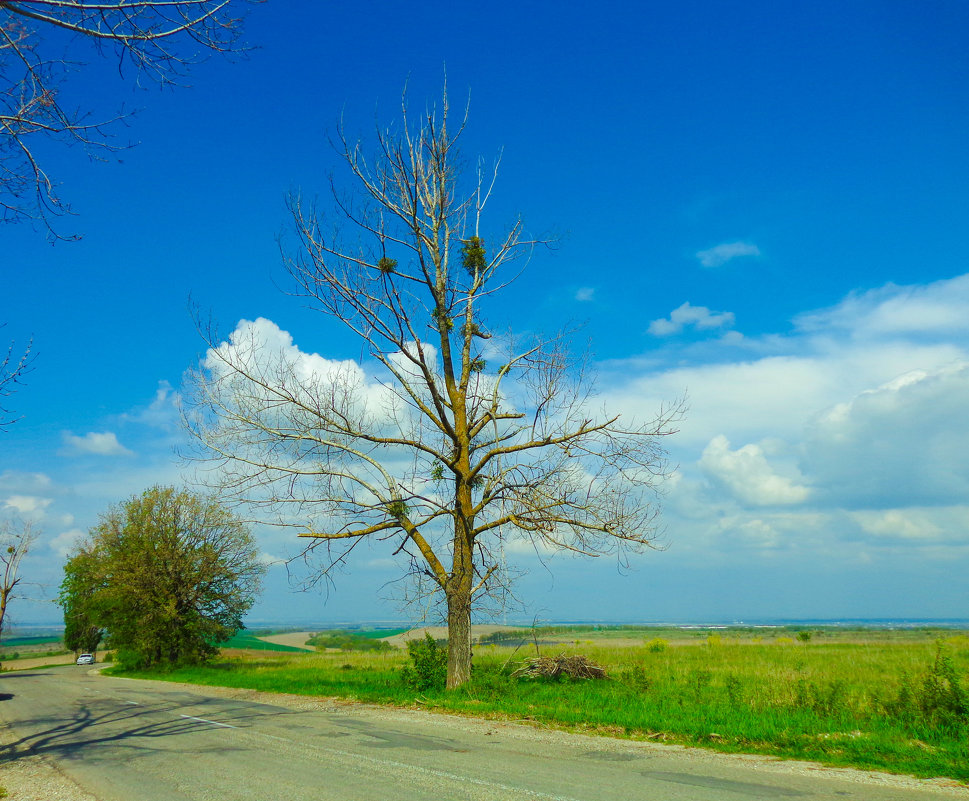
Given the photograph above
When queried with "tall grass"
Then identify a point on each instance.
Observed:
(891, 704)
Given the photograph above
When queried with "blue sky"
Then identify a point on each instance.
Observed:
(763, 206)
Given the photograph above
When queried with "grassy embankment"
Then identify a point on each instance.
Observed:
(866, 699)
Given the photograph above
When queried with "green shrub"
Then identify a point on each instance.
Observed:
(131, 660)
(428, 668)
(804, 636)
(636, 679)
(823, 698)
(492, 679)
(942, 690)
(733, 685)
(698, 680)
(109, 656)
(939, 698)
(657, 645)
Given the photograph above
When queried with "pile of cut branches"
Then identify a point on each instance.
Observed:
(554, 667)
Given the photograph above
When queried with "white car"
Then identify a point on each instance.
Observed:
(85, 659)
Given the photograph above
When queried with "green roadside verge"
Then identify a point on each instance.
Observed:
(899, 706)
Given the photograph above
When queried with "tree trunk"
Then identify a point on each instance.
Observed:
(461, 582)
(459, 634)
(4, 592)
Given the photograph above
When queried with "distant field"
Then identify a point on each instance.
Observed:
(29, 642)
(366, 639)
(885, 700)
(27, 647)
(249, 641)
(378, 634)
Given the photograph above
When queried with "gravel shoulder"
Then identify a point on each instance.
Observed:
(34, 778)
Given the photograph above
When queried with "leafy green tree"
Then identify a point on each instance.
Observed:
(79, 593)
(169, 574)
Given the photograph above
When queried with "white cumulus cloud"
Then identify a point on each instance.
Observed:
(161, 413)
(904, 441)
(939, 309)
(104, 443)
(867, 399)
(700, 317)
(64, 542)
(748, 475)
(728, 251)
(28, 505)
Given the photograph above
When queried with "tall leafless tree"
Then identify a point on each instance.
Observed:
(466, 439)
(159, 38)
(15, 542)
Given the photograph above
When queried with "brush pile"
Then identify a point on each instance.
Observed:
(554, 667)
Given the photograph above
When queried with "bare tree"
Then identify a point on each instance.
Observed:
(13, 366)
(464, 439)
(15, 542)
(159, 38)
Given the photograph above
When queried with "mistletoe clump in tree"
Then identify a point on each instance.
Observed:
(464, 440)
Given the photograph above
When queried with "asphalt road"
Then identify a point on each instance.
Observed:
(127, 740)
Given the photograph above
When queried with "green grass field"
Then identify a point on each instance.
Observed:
(14, 642)
(868, 699)
(376, 634)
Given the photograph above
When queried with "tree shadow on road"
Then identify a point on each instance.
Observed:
(86, 733)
